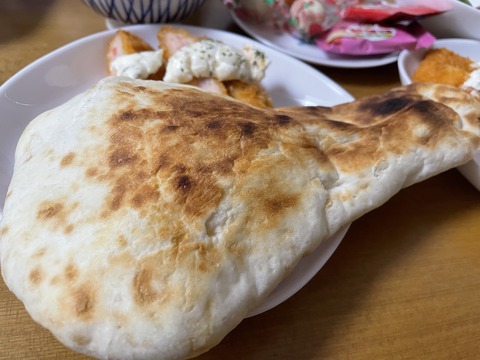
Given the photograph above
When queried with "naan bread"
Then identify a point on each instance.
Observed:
(145, 220)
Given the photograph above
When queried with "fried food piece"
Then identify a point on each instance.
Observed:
(251, 93)
(171, 40)
(124, 43)
(210, 84)
(443, 66)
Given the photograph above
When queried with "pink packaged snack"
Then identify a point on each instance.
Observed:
(352, 38)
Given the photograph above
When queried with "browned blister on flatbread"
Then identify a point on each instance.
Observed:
(145, 220)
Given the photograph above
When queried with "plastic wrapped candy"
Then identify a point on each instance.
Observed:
(310, 18)
(351, 38)
(303, 18)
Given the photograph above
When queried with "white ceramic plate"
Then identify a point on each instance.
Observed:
(60, 75)
(282, 41)
(462, 21)
(408, 62)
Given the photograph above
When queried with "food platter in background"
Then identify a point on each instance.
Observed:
(285, 42)
(462, 22)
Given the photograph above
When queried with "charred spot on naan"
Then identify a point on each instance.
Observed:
(283, 119)
(36, 275)
(144, 291)
(80, 292)
(55, 213)
(276, 203)
(400, 103)
(81, 340)
(84, 301)
(67, 159)
(50, 209)
(383, 107)
(39, 253)
(182, 254)
(428, 115)
(4, 230)
(71, 272)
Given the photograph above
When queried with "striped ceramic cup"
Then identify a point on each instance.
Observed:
(145, 11)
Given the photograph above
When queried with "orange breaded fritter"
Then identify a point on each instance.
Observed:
(250, 93)
(172, 39)
(124, 43)
(443, 66)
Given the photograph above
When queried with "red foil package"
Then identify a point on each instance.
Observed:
(388, 10)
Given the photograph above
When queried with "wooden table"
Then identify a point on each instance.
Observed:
(404, 283)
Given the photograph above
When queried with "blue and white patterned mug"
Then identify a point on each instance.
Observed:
(145, 11)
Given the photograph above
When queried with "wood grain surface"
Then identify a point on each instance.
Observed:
(403, 284)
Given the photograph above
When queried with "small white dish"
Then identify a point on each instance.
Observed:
(462, 21)
(64, 73)
(284, 42)
(408, 62)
